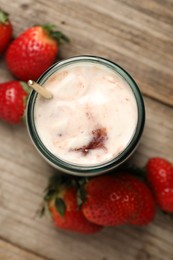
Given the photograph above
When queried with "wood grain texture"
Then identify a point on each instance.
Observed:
(11, 252)
(138, 36)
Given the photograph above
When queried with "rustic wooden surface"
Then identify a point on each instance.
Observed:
(138, 35)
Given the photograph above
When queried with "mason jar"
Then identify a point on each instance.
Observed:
(62, 163)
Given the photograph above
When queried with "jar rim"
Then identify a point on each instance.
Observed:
(76, 169)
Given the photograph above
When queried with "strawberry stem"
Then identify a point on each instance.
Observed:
(3, 17)
(57, 35)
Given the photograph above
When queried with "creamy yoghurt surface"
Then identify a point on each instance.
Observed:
(92, 116)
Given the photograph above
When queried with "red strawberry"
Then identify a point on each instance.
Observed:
(12, 101)
(34, 51)
(5, 31)
(160, 176)
(111, 201)
(64, 209)
(148, 211)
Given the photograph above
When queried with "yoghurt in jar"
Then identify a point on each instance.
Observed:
(92, 117)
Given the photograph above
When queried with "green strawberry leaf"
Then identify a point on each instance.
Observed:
(57, 35)
(25, 87)
(3, 17)
(55, 182)
(49, 194)
(60, 37)
(25, 99)
(81, 196)
(60, 206)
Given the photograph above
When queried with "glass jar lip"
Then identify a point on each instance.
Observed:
(74, 168)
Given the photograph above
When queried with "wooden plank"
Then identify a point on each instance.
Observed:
(24, 176)
(138, 36)
(11, 252)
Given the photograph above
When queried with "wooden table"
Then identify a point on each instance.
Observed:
(138, 35)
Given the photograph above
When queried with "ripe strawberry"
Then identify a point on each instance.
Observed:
(5, 30)
(65, 212)
(148, 210)
(160, 176)
(12, 101)
(111, 201)
(34, 51)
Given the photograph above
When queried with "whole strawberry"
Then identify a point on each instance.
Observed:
(160, 177)
(34, 51)
(111, 201)
(13, 95)
(62, 203)
(5, 31)
(148, 209)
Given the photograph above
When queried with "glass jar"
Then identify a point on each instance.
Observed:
(75, 169)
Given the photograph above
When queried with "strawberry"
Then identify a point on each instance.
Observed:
(148, 210)
(160, 177)
(34, 51)
(62, 203)
(5, 30)
(12, 101)
(111, 201)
